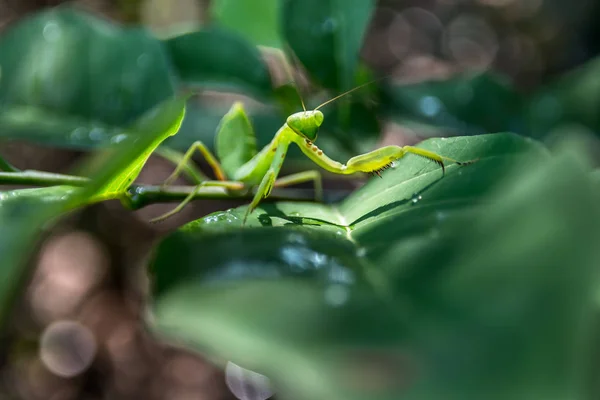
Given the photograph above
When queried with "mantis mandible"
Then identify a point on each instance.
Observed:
(243, 168)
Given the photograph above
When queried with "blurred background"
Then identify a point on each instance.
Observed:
(77, 333)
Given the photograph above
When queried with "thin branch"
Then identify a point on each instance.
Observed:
(139, 196)
(143, 195)
(40, 178)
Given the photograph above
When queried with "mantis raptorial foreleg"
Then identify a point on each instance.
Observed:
(248, 169)
(268, 180)
(208, 156)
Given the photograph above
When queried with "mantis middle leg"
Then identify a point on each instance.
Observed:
(302, 177)
(210, 158)
(231, 185)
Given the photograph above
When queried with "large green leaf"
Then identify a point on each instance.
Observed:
(69, 77)
(460, 287)
(142, 138)
(24, 212)
(219, 58)
(256, 20)
(326, 36)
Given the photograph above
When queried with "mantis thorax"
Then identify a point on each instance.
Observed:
(306, 123)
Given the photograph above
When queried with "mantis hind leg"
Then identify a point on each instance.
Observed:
(302, 177)
(232, 185)
(208, 156)
(435, 157)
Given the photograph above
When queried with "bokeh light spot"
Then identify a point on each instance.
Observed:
(67, 348)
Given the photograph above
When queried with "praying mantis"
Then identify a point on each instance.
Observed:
(242, 167)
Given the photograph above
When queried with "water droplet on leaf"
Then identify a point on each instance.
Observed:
(220, 218)
(329, 25)
(430, 105)
(246, 384)
(336, 295)
(51, 32)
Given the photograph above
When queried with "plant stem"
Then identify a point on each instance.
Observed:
(143, 195)
(40, 178)
(138, 196)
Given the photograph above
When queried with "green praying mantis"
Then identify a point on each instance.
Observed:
(243, 168)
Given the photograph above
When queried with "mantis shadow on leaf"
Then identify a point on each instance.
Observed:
(390, 206)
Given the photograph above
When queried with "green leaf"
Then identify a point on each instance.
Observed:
(69, 77)
(474, 285)
(24, 212)
(142, 140)
(219, 58)
(326, 36)
(255, 20)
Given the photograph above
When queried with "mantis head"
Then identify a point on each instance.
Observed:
(306, 123)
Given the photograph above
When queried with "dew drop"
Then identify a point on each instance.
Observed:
(329, 25)
(336, 295)
(118, 138)
(246, 384)
(430, 105)
(143, 60)
(440, 216)
(220, 218)
(79, 133)
(96, 134)
(51, 32)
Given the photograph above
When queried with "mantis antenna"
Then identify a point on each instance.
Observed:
(350, 91)
(301, 100)
(297, 92)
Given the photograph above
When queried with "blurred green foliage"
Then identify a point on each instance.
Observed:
(478, 284)
(242, 17)
(24, 212)
(417, 285)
